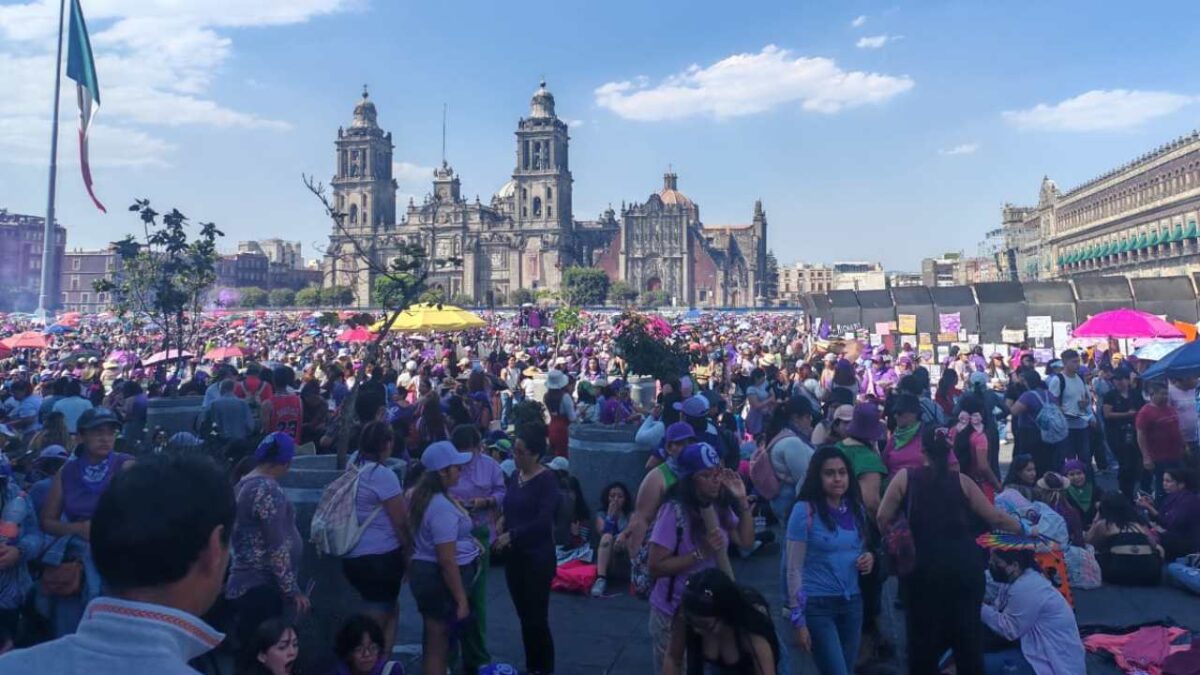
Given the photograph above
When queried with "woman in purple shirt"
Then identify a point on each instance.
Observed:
(529, 508)
(480, 489)
(375, 566)
(445, 555)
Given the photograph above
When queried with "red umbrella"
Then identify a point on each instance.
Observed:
(222, 353)
(169, 355)
(359, 334)
(27, 340)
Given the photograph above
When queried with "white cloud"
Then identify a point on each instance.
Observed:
(413, 181)
(156, 61)
(574, 124)
(859, 21)
(961, 149)
(746, 84)
(876, 41)
(1100, 110)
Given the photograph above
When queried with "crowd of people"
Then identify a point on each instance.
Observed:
(126, 546)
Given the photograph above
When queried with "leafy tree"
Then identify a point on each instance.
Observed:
(309, 296)
(657, 298)
(433, 295)
(584, 286)
(384, 292)
(520, 296)
(282, 297)
(623, 293)
(251, 297)
(165, 274)
(462, 300)
(337, 296)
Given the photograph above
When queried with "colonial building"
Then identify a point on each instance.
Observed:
(21, 238)
(1138, 220)
(859, 276)
(80, 271)
(526, 234)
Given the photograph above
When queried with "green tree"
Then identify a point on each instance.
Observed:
(309, 296)
(432, 296)
(622, 293)
(385, 292)
(251, 297)
(584, 286)
(658, 298)
(282, 297)
(337, 296)
(462, 300)
(520, 296)
(165, 274)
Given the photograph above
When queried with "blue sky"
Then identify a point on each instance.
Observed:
(875, 131)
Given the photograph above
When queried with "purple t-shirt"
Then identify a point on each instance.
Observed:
(1033, 402)
(664, 535)
(442, 523)
(376, 485)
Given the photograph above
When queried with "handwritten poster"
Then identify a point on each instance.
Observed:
(1012, 336)
(883, 328)
(950, 323)
(1039, 327)
(907, 323)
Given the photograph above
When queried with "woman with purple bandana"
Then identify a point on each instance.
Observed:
(264, 571)
(480, 489)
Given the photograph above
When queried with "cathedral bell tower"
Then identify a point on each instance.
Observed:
(363, 187)
(543, 176)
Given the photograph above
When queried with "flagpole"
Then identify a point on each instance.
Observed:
(49, 238)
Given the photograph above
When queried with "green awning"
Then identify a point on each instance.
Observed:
(1072, 258)
(1154, 238)
(1108, 249)
(1178, 236)
(1191, 233)
(1143, 242)
(1124, 245)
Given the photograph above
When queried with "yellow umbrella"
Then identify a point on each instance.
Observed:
(428, 318)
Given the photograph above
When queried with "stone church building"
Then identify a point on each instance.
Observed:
(527, 235)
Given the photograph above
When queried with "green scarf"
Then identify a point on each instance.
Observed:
(902, 436)
(1082, 496)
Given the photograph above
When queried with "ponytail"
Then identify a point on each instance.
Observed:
(937, 447)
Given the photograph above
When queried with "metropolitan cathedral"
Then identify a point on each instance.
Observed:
(526, 235)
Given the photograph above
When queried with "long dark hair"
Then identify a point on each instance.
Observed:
(264, 637)
(1019, 462)
(1116, 509)
(962, 442)
(947, 383)
(684, 492)
(711, 593)
(937, 448)
(628, 508)
(374, 437)
(813, 492)
(428, 486)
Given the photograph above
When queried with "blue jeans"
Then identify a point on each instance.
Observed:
(995, 662)
(506, 405)
(1077, 445)
(835, 624)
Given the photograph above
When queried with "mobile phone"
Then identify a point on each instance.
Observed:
(312, 583)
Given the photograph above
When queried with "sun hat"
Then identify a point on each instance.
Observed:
(442, 454)
(559, 464)
(680, 431)
(697, 457)
(865, 424)
(556, 379)
(696, 406)
(97, 417)
(844, 413)
(531, 371)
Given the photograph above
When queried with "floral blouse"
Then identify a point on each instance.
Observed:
(266, 544)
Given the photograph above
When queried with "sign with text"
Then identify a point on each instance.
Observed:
(1039, 327)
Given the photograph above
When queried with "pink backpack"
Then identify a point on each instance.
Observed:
(762, 474)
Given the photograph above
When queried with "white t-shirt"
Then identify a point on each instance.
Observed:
(1069, 391)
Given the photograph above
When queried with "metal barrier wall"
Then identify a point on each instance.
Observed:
(1173, 296)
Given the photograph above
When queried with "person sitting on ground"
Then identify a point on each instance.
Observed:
(726, 629)
(611, 521)
(160, 538)
(359, 649)
(1022, 475)
(1028, 611)
(1051, 489)
(1177, 514)
(273, 649)
(1125, 547)
(1082, 491)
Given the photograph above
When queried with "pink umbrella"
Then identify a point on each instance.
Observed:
(169, 355)
(359, 334)
(222, 353)
(1127, 323)
(27, 340)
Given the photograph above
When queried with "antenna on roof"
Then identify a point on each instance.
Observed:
(443, 134)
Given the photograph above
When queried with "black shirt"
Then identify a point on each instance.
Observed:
(1132, 401)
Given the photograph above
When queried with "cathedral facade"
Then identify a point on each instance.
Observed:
(525, 236)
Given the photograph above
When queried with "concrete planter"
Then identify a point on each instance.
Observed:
(602, 454)
(174, 414)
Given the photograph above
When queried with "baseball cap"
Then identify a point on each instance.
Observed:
(276, 447)
(697, 457)
(680, 431)
(844, 413)
(97, 417)
(443, 454)
(696, 406)
(559, 464)
(53, 452)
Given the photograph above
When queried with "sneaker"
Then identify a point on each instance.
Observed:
(599, 587)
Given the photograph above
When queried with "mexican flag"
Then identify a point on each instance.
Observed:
(82, 68)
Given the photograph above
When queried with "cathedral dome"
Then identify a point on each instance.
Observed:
(507, 191)
(670, 194)
(542, 104)
(364, 112)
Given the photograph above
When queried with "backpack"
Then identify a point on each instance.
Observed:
(931, 412)
(641, 582)
(762, 473)
(335, 529)
(254, 400)
(1051, 423)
